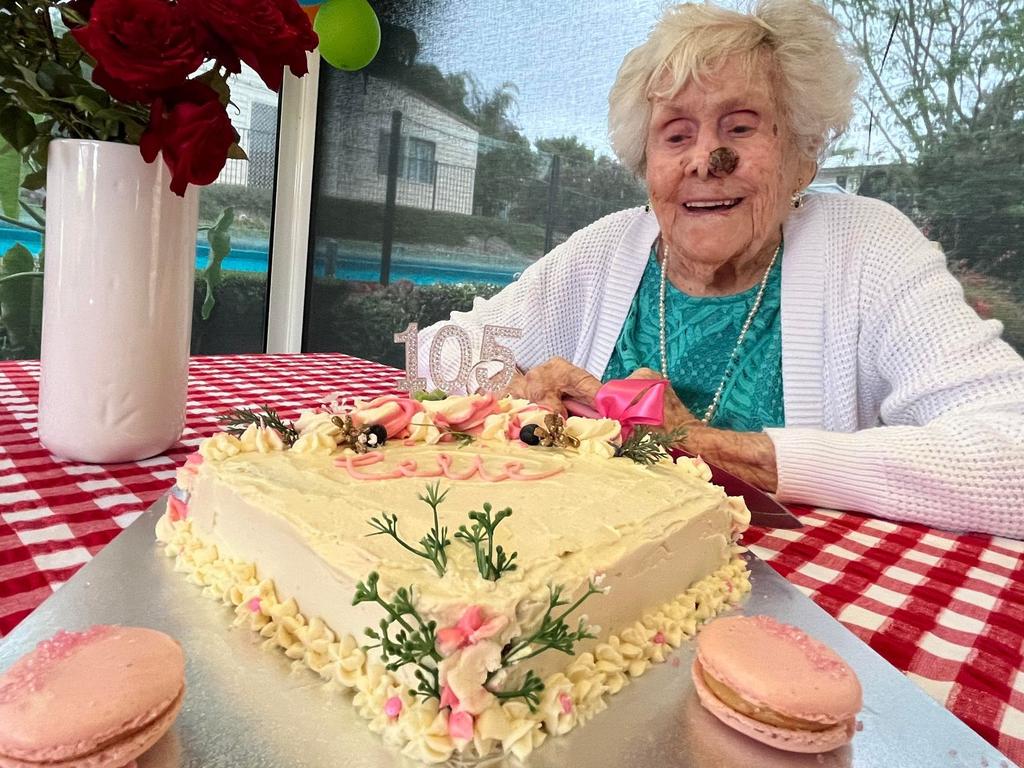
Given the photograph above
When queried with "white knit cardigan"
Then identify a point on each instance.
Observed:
(900, 401)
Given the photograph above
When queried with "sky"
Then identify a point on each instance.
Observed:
(562, 54)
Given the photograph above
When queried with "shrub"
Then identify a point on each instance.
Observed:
(361, 220)
(239, 317)
(361, 319)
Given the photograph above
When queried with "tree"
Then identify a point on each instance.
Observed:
(494, 112)
(944, 95)
(932, 66)
(589, 186)
(504, 171)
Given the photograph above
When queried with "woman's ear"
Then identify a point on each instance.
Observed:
(808, 170)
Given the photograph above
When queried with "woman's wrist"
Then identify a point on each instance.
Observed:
(748, 455)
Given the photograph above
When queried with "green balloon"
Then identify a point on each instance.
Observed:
(349, 33)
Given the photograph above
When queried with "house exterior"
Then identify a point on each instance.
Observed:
(253, 112)
(437, 149)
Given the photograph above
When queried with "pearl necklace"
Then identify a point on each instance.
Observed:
(713, 406)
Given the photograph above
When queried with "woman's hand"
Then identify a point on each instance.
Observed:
(546, 384)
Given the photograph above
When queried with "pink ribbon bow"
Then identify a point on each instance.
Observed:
(629, 401)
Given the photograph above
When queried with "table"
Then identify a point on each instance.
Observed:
(946, 609)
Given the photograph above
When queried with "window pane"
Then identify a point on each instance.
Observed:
(512, 96)
(489, 172)
(939, 133)
(236, 317)
(237, 320)
(21, 242)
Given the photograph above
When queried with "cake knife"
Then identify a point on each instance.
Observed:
(765, 512)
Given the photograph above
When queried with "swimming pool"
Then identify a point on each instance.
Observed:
(251, 256)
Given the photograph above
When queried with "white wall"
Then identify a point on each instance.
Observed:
(356, 118)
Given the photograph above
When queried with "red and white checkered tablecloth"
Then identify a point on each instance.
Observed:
(946, 609)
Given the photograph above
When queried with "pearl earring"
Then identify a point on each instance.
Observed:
(796, 200)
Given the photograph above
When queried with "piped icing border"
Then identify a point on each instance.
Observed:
(420, 728)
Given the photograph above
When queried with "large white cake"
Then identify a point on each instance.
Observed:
(277, 524)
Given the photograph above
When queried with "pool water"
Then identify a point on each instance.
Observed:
(251, 256)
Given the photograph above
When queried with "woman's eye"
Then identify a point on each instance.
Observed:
(676, 138)
(743, 129)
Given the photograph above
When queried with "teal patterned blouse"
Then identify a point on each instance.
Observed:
(700, 335)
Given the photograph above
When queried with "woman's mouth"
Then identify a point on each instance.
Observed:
(712, 206)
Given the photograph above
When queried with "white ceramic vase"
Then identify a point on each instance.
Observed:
(117, 304)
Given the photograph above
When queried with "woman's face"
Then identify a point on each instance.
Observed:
(708, 219)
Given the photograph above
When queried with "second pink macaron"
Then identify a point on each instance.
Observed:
(774, 683)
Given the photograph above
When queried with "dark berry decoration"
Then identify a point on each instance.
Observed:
(528, 434)
(376, 436)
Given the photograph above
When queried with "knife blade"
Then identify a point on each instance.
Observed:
(765, 512)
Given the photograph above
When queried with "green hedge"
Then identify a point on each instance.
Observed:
(361, 220)
(361, 318)
(358, 319)
(239, 317)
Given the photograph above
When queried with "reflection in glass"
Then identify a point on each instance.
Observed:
(231, 291)
(428, 190)
(476, 142)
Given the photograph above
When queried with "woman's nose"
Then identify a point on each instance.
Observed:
(697, 160)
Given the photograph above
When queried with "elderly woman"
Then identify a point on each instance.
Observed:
(816, 344)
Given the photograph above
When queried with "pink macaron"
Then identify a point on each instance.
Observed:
(776, 684)
(92, 699)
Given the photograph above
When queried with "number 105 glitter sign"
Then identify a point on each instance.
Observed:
(469, 376)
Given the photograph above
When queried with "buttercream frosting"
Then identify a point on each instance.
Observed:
(571, 697)
(267, 521)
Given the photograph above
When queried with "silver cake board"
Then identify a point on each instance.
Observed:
(246, 706)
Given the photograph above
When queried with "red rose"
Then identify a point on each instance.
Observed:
(191, 128)
(268, 35)
(141, 47)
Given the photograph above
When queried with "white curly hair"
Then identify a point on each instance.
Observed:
(815, 76)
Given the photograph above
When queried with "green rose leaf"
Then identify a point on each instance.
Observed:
(10, 180)
(17, 127)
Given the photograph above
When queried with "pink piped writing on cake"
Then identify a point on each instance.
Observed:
(408, 467)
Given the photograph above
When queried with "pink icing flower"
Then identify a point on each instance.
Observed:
(533, 414)
(566, 701)
(659, 638)
(470, 628)
(483, 407)
(176, 509)
(460, 726)
(390, 411)
(449, 699)
(254, 605)
(393, 707)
